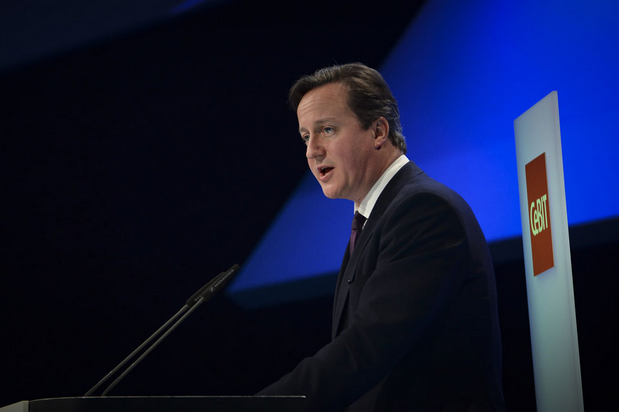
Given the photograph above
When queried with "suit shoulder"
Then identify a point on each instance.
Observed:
(423, 187)
(421, 195)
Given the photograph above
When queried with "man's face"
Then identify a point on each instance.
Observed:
(339, 151)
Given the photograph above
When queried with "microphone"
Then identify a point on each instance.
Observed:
(209, 290)
(203, 294)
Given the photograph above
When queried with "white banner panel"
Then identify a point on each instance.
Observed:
(545, 237)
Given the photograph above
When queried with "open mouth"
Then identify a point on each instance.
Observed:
(324, 170)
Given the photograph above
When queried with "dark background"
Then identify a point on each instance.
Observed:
(138, 166)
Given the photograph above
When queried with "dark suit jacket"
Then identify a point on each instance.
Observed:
(415, 323)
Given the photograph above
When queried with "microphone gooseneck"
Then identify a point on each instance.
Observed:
(203, 294)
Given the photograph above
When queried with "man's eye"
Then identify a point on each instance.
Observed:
(305, 138)
(328, 130)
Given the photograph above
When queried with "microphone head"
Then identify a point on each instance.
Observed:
(196, 296)
(213, 286)
(219, 282)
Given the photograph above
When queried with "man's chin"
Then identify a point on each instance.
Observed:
(329, 193)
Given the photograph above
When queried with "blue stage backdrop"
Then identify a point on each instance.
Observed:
(462, 73)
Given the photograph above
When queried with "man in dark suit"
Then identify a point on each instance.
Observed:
(415, 323)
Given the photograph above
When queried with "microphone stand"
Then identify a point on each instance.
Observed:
(204, 294)
(136, 351)
(154, 345)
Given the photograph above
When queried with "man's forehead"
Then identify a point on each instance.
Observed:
(323, 104)
(326, 91)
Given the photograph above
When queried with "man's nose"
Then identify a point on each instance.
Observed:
(314, 148)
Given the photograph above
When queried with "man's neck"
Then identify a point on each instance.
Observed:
(367, 203)
(385, 158)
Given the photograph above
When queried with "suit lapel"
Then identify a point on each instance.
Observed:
(349, 265)
(338, 300)
(347, 274)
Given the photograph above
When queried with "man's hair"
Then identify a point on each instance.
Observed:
(369, 96)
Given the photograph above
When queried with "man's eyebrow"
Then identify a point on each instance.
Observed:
(319, 122)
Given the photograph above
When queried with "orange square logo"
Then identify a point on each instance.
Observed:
(539, 214)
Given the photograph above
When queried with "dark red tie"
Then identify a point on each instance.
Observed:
(357, 227)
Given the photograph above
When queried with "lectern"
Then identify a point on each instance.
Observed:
(161, 404)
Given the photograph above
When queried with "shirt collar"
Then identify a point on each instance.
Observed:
(367, 204)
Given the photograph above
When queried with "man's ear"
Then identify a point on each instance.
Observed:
(381, 132)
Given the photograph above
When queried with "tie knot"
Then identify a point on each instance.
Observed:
(358, 221)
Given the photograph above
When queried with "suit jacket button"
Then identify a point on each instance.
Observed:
(349, 281)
